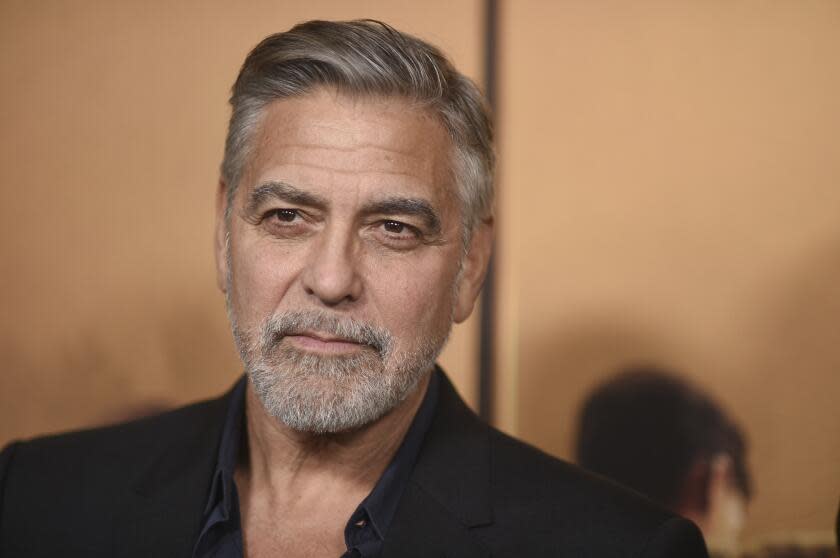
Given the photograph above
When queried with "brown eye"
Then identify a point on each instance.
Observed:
(394, 227)
(287, 215)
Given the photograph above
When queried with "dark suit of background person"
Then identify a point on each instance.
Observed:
(346, 247)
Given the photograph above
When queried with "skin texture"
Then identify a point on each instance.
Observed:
(366, 225)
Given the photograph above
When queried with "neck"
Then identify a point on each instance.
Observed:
(290, 464)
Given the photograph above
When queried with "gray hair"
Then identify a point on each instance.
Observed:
(366, 58)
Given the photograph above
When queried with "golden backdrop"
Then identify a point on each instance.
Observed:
(669, 194)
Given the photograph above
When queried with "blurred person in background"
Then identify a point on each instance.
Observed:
(655, 433)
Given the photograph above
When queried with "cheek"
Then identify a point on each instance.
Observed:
(413, 299)
(261, 277)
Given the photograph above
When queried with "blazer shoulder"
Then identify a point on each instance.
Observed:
(128, 439)
(530, 471)
(98, 461)
(68, 490)
(538, 493)
(6, 457)
(525, 488)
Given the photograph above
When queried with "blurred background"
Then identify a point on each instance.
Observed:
(669, 195)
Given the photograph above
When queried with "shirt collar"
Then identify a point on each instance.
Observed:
(381, 504)
(222, 486)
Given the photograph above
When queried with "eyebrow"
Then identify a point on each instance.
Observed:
(282, 191)
(279, 190)
(406, 206)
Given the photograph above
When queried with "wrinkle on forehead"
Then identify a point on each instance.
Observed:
(329, 132)
(350, 122)
(333, 169)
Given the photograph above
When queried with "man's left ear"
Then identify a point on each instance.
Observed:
(475, 268)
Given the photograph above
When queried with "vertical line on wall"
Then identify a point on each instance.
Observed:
(487, 323)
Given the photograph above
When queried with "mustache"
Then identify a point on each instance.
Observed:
(298, 322)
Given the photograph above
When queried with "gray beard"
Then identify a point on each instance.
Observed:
(322, 394)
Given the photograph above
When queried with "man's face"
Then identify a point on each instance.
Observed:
(342, 257)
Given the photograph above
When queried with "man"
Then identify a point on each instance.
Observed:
(354, 227)
(657, 434)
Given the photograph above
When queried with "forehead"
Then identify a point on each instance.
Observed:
(328, 141)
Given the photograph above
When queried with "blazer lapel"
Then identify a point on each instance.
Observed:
(449, 490)
(169, 495)
(423, 528)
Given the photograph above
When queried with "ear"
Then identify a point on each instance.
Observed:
(475, 268)
(221, 243)
(705, 492)
(726, 511)
(721, 472)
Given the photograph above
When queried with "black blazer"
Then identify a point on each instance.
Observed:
(139, 490)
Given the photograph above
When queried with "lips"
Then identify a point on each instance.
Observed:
(324, 337)
(324, 343)
(322, 332)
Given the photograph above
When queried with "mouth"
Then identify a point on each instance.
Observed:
(320, 342)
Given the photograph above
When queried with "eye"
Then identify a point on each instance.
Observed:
(394, 227)
(285, 215)
(286, 222)
(399, 230)
(397, 235)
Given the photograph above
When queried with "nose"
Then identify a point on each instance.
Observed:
(331, 273)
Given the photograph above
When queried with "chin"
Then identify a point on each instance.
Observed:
(330, 395)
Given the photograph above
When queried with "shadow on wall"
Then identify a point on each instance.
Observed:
(108, 372)
(567, 364)
(800, 363)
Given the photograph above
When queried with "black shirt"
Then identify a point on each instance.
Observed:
(367, 527)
